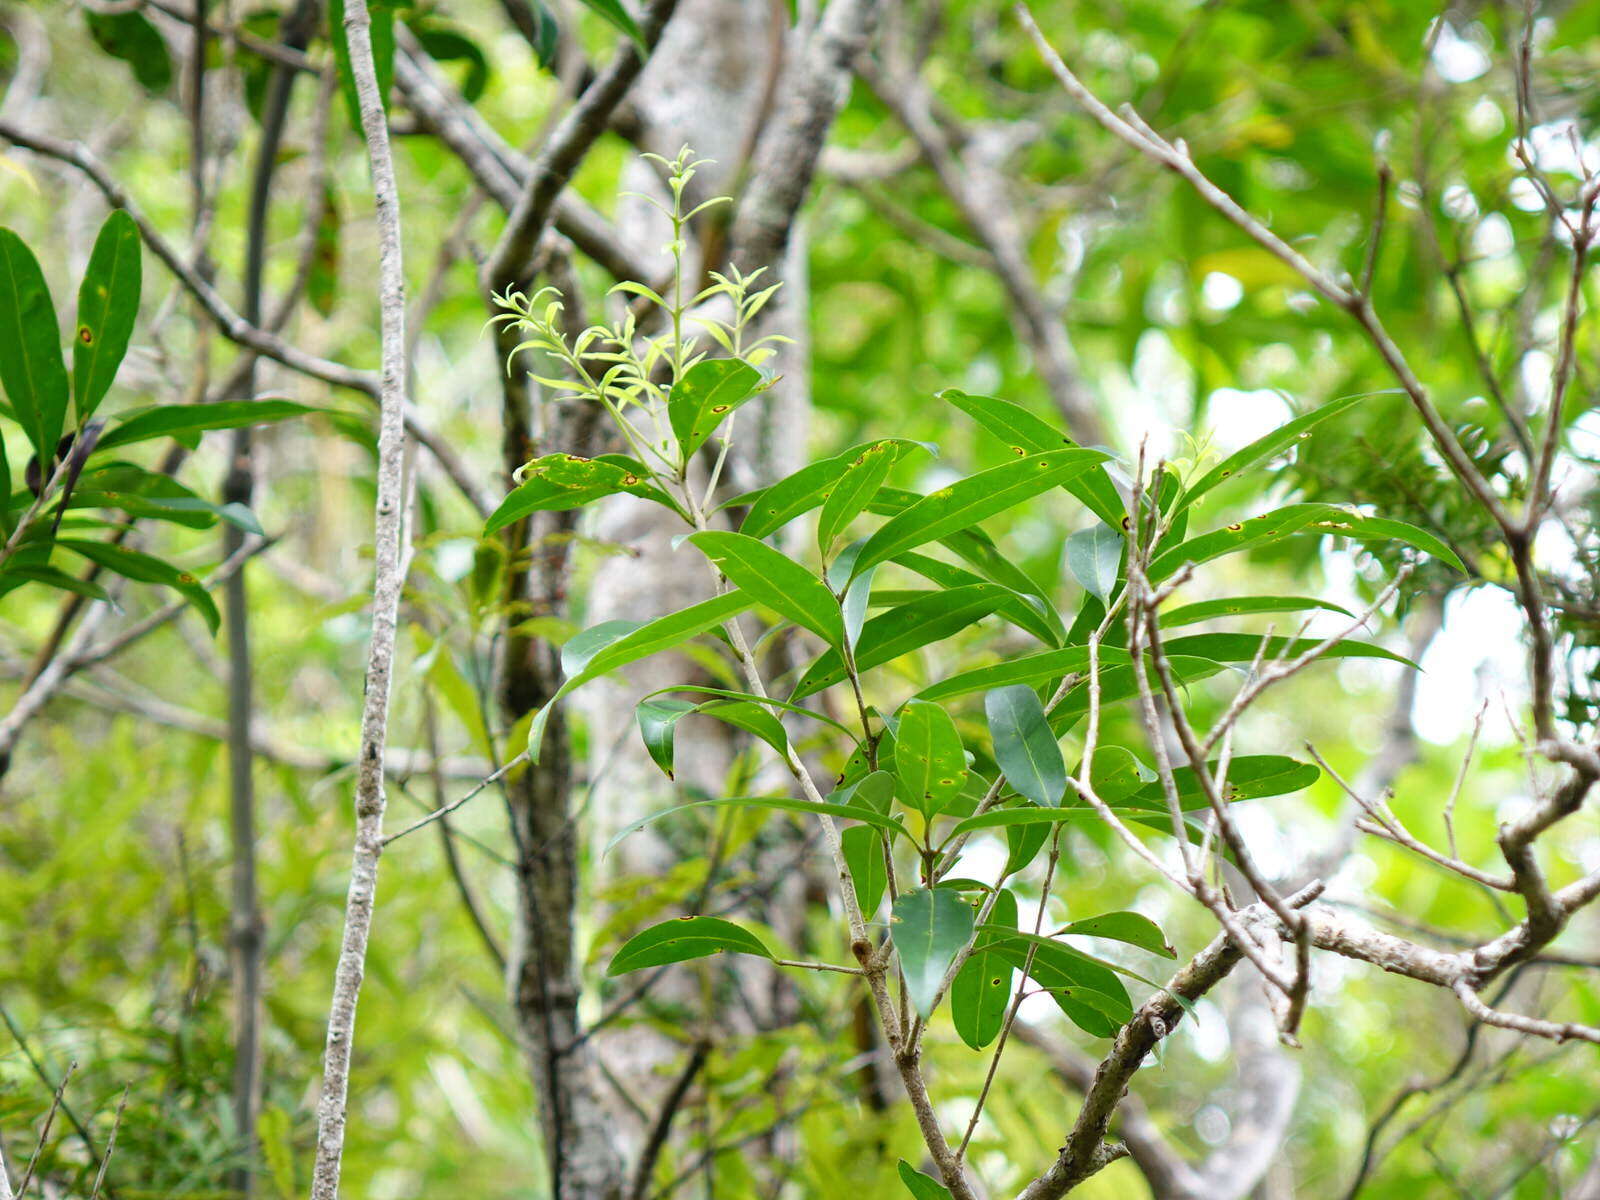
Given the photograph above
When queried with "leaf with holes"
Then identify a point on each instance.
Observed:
(704, 397)
(981, 991)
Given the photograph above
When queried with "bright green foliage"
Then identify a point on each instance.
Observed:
(31, 368)
(1024, 745)
(108, 304)
(682, 939)
(929, 764)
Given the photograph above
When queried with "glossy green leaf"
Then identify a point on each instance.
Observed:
(771, 508)
(764, 701)
(1031, 669)
(634, 642)
(903, 629)
(1288, 521)
(1028, 434)
(31, 366)
(1135, 929)
(1024, 745)
(683, 939)
(1269, 445)
(1027, 610)
(930, 928)
(142, 568)
(13, 575)
(1085, 988)
(108, 304)
(1117, 774)
(447, 45)
(658, 724)
(1119, 683)
(558, 482)
(1094, 556)
(929, 763)
(869, 872)
(1243, 647)
(770, 578)
(1206, 610)
(1250, 777)
(184, 420)
(921, 1186)
(853, 491)
(973, 499)
(981, 990)
(704, 397)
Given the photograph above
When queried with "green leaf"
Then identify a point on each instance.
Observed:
(658, 722)
(773, 507)
(903, 629)
(1271, 444)
(1085, 988)
(618, 16)
(770, 578)
(382, 34)
(869, 872)
(683, 939)
(558, 482)
(141, 568)
(853, 491)
(921, 1186)
(1242, 648)
(930, 927)
(1117, 774)
(1024, 745)
(1029, 669)
(108, 304)
(981, 991)
(973, 499)
(31, 366)
(448, 45)
(1205, 610)
(849, 812)
(765, 701)
(631, 644)
(929, 763)
(1250, 777)
(1292, 519)
(705, 395)
(1028, 434)
(183, 420)
(131, 37)
(1133, 928)
(1120, 682)
(1027, 610)
(14, 575)
(1093, 557)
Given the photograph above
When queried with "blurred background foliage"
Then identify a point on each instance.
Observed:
(113, 848)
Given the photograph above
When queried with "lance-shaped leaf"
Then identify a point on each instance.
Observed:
(930, 928)
(1120, 683)
(704, 397)
(186, 420)
(853, 491)
(1085, 988)
(1269, 445)
(683, 939)
(1027, 610)
(973, 499)
(770, 578)
(1024, 745)
(1135, 929)
(1028, 434)
(929, 763)
(981, 991)
(658, 724)
(1250, 777)
(848, 812)
(108, 303)
(903, 629)
(869, 871)
(1030, 669)
(636, 642)
(141, 568)
(618, 16)
(921, 1186)
(31, 367)
(773, 507)
(1289, 521)
(131, 37)
(13, 575)
(1093, 557)
(558, 482)
(1243, 648)
(1242, 606)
